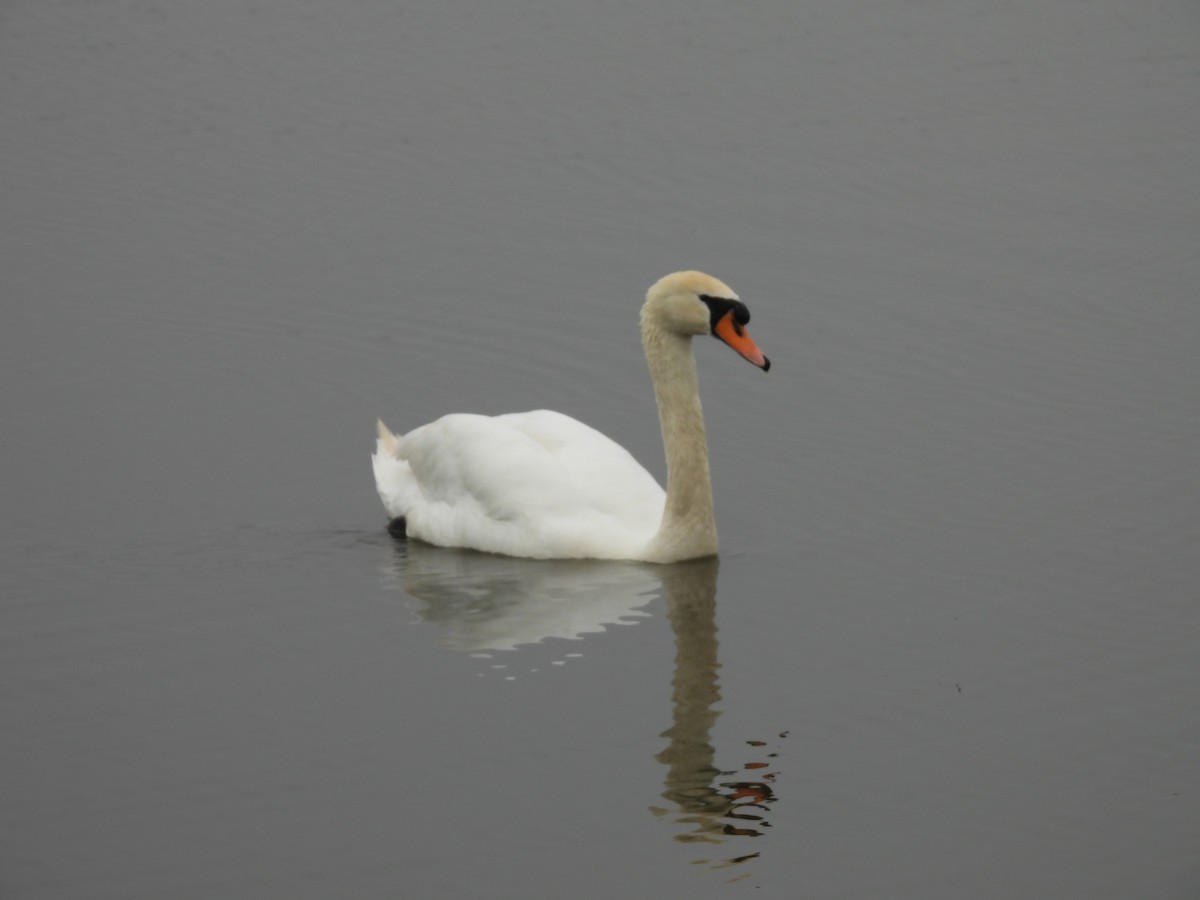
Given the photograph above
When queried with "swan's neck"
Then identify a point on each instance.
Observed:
(688, 529)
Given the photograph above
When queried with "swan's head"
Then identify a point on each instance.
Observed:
(692, 303)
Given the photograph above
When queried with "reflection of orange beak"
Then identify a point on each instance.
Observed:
(729, 330)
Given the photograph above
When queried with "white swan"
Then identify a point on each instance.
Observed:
(543, 485)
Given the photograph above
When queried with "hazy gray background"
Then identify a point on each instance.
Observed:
(957, 597)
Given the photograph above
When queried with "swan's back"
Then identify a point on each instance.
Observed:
(536, 484)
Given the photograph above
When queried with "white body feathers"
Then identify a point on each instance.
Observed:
(535, 484)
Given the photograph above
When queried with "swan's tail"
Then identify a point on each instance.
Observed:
(387, 440)
(393, 477)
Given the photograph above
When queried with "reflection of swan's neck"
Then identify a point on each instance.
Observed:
(688, 529)
(691, 590)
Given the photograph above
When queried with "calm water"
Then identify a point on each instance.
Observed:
(951, 645)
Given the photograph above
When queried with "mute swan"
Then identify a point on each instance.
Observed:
(543, 485)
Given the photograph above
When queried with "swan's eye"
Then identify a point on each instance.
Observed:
(719, 307)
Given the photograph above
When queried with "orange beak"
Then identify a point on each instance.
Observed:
(729, 330)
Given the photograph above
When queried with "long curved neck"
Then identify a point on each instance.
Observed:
(688, 529)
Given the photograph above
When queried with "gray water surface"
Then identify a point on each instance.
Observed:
(950, 647)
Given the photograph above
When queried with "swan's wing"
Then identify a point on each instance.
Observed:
(602, 473)
(527, 484)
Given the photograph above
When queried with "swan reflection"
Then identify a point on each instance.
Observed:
(714, 805)
(486, 602)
